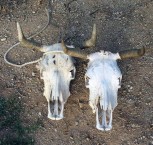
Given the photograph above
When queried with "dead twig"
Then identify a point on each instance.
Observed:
(93, 12)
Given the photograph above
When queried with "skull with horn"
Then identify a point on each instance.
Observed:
(103, 78)
(57, 70)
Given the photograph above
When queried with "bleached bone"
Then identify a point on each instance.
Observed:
(57, 70)
(103, 78)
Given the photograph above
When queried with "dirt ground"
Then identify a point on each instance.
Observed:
(121, 25)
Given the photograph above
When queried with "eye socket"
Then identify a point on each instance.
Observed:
(119, 79)
(72, 73)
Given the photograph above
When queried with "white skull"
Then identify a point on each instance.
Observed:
(57, 70)
(103, 78)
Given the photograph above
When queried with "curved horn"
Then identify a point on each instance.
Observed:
(25, 42)
(73, 51)
(92, 41)
(132, 53)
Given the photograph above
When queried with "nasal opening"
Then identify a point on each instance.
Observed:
(103, 119)
(55, 110)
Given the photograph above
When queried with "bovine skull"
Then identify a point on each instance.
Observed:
(103, 78)
(57, 70)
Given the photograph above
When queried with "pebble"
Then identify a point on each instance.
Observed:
(39, 2)
(151, 142)
(39, 113)
(33, 74)
(134, 125)
(148, 104)
(3, 39)
(81, 105)
(128, 86)
(76, 123)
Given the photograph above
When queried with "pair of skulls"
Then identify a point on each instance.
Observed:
(103, 76)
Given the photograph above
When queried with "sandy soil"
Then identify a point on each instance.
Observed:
(121, 25)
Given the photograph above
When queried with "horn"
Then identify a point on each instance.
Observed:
(73, 51)
(134, 53)
(92, 41)
(25, 42)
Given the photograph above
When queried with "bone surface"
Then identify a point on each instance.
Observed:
(56, 70)
(103, 79)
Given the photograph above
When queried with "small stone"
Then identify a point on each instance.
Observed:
(33, 12)
(129, 91)
(81, 105)
(128, 86)
(76, 123)
(71, 137)
(33, 74)
(134, 125)
(3, 39)
(151, 143)
(39, 2)
(39, 113)
(144, 137)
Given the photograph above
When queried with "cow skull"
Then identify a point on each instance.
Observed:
(57, 70)
(103, 78)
